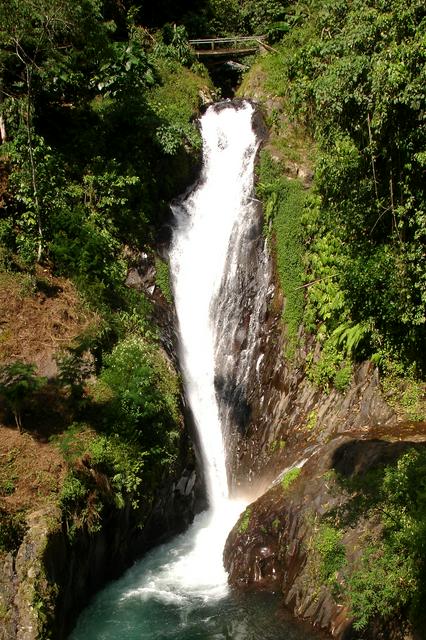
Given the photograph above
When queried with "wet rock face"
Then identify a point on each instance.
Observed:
(274, 543)
(278, 419)
(289, 417)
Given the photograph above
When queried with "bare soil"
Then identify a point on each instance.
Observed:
(31, 472)
(40, 315)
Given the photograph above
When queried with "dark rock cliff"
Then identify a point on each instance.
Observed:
(278, 420)
(292, 423)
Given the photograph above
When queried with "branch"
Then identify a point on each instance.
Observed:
(309, 284)
(372, 156)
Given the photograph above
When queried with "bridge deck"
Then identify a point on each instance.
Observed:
(226, 52)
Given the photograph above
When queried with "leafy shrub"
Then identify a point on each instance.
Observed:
(144, 391)
(123, 463)
(18, 382)
(382, 585)
(328, 544)
(74, 369)
(73, 493)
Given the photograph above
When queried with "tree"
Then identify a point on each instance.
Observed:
(17, 383)
(33, 33)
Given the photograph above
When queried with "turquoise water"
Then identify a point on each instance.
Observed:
(239, 617)
(170, 595)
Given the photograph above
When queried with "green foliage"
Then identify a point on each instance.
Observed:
(73, 493)
(68, 75)
(343, 377)
(328, 545)
(73, 442)
(245, 521)
(175, 45)
(174, 105)
(144, 390)
(389, 576)
(74, 368)
(162, 279)
(381, 586)
(232, 17)
(80, 505)
(283, 205)
(289, 477)
(330, 368)
(121, 462)
(7, 486)
(18, 382)
(404, 391)
(352, 74)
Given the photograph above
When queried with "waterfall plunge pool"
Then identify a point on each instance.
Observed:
(169, 595)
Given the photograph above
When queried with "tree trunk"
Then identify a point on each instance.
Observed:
(33, 170)
(3, 136)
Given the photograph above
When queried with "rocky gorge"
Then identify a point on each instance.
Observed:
(281, 426)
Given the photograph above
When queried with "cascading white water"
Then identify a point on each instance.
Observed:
(206, 220)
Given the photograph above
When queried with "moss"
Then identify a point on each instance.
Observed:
(311, 420)
(245, 521)
(276, 524)
(283, 201)
(277, 445)
(289, 477)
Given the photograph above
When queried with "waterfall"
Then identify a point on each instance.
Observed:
(213, 224)
(216, 234)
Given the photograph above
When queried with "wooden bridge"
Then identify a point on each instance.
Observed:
(226, 47)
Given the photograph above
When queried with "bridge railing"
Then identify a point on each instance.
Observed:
(236, 42)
